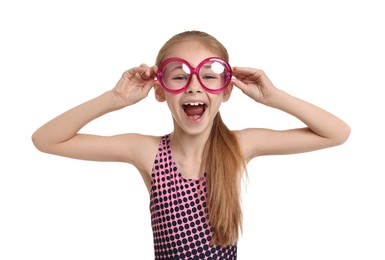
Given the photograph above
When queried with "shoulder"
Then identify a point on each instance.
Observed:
(146, 140)
(140, 150)
(254, 141)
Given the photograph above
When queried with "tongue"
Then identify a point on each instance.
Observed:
(193, 110)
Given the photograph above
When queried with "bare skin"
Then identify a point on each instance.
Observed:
(60, 136)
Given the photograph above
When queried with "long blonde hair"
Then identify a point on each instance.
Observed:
(225, 165)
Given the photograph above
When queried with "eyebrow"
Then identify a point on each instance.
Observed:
(173, 68)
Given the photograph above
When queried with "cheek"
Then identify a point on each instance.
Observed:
(216, 99)
(172, 103)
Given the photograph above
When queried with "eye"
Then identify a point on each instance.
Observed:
(209, 76)
(179, 77)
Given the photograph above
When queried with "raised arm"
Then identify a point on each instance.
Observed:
(60, 135)
(323, 128)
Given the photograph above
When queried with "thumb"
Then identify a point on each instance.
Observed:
(239, 84)
(148, 86)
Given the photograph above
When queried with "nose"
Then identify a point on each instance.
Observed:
(195, 85)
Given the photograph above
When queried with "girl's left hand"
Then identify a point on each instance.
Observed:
(254, 83)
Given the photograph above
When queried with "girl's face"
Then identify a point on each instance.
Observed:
(193, 109)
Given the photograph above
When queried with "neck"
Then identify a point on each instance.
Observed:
(186, 145)
(188, 152)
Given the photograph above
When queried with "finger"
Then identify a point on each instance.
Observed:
(239, 84)
(147, 72)
(132, 72)
(246, 72)
(154, 69)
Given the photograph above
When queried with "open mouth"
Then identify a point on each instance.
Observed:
(194, 110)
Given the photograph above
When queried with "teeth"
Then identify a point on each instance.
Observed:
(194, 104)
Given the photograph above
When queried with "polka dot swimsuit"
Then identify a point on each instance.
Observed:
(178, 213)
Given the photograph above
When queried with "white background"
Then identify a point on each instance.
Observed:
(54, 55)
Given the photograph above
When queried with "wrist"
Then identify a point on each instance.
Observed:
(276, 98)
(112, 101)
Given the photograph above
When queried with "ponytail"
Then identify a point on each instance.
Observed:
(225, 167)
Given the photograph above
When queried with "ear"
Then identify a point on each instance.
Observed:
(159, 92)
(227, 92)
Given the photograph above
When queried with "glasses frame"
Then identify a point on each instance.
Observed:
(164, 63)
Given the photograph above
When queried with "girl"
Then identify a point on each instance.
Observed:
(193, 174)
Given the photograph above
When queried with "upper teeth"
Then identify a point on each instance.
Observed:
(194, 104)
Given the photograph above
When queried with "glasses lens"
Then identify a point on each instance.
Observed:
(213, 74)
(175, 75)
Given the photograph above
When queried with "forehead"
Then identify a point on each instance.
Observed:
(191, 51)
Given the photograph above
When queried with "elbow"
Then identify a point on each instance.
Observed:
(38, 142)
(35, 141)
(343, 135)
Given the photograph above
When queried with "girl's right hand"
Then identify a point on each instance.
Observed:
(134, 85)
